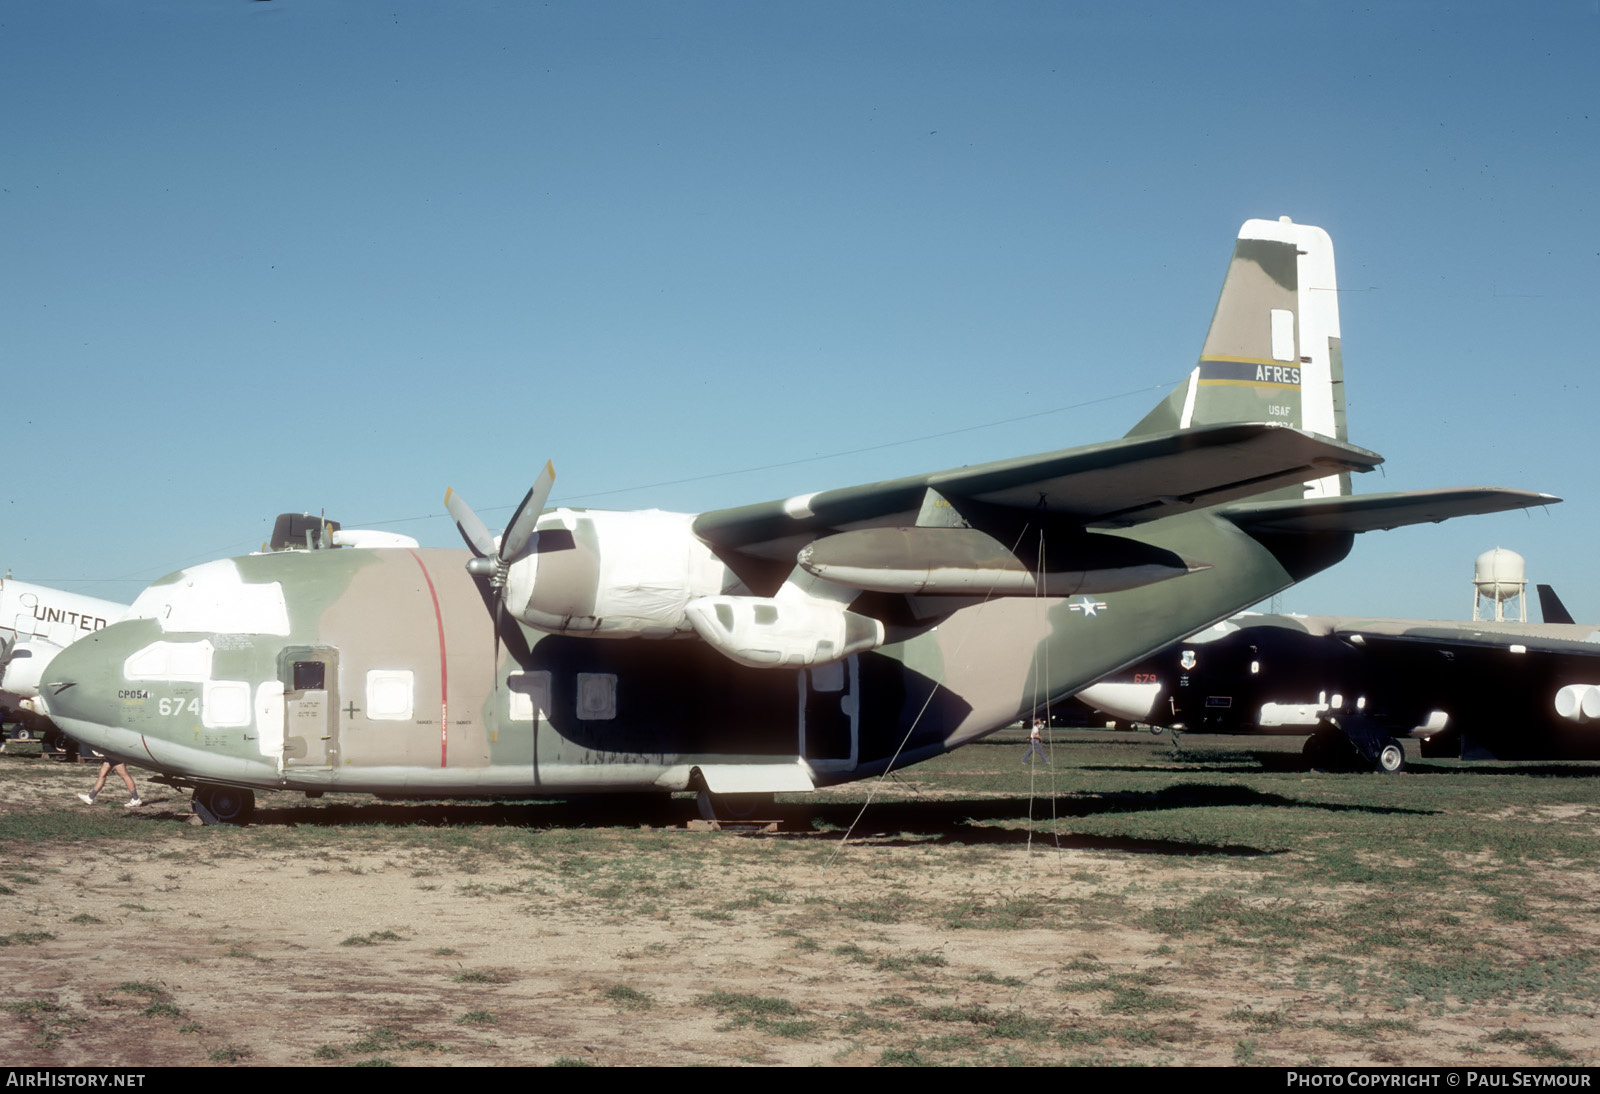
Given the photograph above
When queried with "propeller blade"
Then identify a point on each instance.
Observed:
(520, 530)
(467, 523)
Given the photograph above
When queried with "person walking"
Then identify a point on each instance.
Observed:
(1035, 745)
(106, 768)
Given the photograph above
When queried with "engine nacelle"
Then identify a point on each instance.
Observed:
(1578, 703)
(25, 665)
(609, 574)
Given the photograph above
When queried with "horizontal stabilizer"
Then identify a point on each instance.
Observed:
(1116, 484)
(1380, 512)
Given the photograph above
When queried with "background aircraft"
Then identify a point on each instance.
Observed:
(773, 647)
(36, 623)
(1502, 690)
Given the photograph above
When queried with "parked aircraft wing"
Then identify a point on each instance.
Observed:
(1379, 512)
(1115, 484)
(1577, 640)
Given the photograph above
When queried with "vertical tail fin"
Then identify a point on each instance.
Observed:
(1272, 353)
(1551, 609)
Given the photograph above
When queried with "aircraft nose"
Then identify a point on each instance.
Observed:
(83, 691)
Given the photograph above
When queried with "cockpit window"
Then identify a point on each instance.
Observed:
(213, 599)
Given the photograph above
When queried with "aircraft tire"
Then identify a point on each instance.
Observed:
(1391, 758)
(1330, 750)
(52, 739)
(224, 804)
(735, 807)
(23, 733)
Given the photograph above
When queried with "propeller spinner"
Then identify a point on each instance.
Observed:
(493, 561)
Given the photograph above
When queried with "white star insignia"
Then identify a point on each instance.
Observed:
(1088, 605)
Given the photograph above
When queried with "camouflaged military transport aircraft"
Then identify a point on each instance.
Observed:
(775, 647)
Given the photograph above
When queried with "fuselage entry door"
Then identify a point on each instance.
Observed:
(830, 709)
(310, 678)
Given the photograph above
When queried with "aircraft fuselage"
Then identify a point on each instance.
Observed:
(379, 671)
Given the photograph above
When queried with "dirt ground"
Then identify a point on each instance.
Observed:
(296, 944)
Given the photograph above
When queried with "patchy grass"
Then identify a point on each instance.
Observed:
(767, 1013)
(1213, 904)
(629, 998)
(49, 1020)
(1537, 1045)
(911, 961)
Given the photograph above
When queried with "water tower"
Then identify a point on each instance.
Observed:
(1500, 575)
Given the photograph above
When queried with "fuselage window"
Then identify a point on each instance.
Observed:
(389, 695)
(597, 696)
(310, 676)
(225, 704)
(530, 695)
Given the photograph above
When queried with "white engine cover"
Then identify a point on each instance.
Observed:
(1579, 703)
(25, 666)
(614, 574)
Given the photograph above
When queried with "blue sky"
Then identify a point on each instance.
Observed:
(340, 255)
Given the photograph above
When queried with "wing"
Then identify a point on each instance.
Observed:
(1116, 484)
(1577, 640)
(1379, 512)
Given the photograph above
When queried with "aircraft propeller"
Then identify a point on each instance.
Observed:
(494, 561)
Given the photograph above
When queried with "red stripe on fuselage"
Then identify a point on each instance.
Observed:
(444, 672)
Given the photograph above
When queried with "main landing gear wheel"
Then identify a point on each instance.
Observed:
(224, 804)
(1391, 758)
(735, 807)
(1330, 750)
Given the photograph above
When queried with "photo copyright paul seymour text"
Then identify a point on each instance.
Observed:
(1468, 1079)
